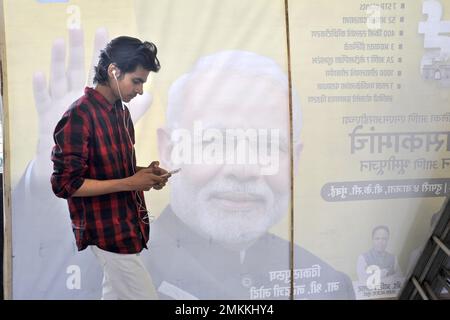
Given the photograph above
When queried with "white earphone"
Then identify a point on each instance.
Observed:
(118, 89)
(139, 202)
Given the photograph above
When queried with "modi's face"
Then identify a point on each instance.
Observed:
(232, 145)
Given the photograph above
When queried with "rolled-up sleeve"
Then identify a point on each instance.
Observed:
(70, 153)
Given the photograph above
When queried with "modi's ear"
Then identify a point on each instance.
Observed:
(298, 147)
(165, 148)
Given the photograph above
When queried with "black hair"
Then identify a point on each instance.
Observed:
(127, 54)
(380, 228)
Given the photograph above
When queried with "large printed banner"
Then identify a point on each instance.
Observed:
(374, 82)
(370, 142)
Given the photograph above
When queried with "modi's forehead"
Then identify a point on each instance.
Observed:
(226, 116)
(234, 80)
(234, 99)
(233, 90)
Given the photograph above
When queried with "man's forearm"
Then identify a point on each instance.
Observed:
(91, 187)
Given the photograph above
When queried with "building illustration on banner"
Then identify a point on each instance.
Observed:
(435, 64)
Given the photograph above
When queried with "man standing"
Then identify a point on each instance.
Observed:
(95, 169)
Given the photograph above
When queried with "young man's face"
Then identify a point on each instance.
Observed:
(130, 83)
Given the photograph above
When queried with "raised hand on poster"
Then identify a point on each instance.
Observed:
(65, 86)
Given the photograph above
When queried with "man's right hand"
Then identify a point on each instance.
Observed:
(145, 179)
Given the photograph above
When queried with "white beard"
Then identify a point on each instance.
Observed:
(229, 222)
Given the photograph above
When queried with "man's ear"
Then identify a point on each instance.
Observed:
(165, 148)
(298, 147)
(113, 71)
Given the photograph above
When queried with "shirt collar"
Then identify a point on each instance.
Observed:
(92, 93)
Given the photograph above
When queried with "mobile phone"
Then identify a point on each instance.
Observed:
(175, 171)
(171, 172)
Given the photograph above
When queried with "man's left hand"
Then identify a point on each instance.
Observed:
(159, 172)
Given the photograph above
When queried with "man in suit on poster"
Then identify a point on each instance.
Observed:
(227, 129)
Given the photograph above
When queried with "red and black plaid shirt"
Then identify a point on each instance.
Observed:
(91, 142)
